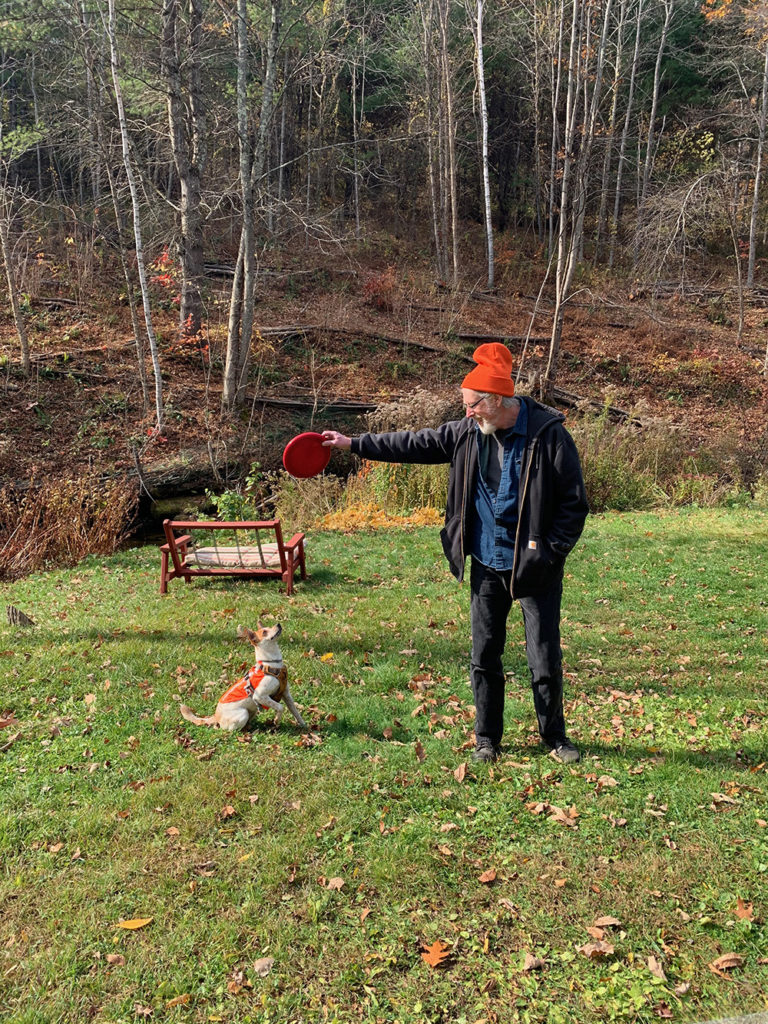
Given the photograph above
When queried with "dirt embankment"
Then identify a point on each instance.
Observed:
(329, 347)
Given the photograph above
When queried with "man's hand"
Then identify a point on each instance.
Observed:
(333, 439)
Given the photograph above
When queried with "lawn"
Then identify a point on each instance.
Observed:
(282, 878)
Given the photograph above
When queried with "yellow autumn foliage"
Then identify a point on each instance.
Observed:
(369, 516)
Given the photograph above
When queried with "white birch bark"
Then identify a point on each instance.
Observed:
(140, 266)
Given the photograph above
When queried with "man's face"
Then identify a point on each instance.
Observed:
(484, 409)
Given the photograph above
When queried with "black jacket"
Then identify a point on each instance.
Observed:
(552, 506)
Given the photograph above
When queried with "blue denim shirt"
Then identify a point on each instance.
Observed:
(495, 519)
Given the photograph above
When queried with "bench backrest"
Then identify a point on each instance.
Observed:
(249, 554)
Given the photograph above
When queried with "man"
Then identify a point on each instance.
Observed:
(516, 505)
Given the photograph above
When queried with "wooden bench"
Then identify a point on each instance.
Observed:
(262, 553)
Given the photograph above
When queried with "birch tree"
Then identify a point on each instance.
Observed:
(182, 75)
(137, 234)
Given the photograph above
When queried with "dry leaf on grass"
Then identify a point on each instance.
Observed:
(488, 876)
(134, 923)
(227, 812)
(607, 922)
(726, 962)
(654, 966)
(460, 773)
(263, 966)
(744, 910)
(364, 913)
(449, 826)
(533, 963)
(419, 751)
(115, 959)
(335, 883)
(436, 954)
(596, 950)
(142, 1011)
(179, 1000)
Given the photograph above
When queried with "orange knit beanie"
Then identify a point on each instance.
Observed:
(493, 372)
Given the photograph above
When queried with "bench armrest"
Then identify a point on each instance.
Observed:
(295, 542)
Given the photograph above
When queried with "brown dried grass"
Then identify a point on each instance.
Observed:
(59, 521)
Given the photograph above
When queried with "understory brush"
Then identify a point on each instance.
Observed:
(643, 463)
(58, 521)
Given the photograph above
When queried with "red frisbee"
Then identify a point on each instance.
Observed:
(305, 455)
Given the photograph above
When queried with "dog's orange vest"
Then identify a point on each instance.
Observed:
(246, 686)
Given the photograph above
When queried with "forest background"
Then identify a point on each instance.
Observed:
(207, 209)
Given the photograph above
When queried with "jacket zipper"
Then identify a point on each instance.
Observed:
(520, 503)
(464, 496)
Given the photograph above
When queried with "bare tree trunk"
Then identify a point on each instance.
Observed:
(6, 207)
(614, 228)
(478, 27)
(649, 147)
(187, 133)
(608, 155)
(159, 414)
(450, 128)
(758, 174)
(243, 299)
(555, 144)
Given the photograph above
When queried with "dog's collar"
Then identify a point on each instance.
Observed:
(270, 668)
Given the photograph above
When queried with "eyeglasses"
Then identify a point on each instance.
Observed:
(474, 405)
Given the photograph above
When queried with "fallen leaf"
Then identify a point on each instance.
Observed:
(436, 954)
(387, 733)
(5, 722)
(327, 657)
(560, 883)
(682, 988)
(334, 883)
(607, 922)
(172, 831)
(596, 933)
(142, 1011)
(134, 923)
(726, 962)
(596, 950)
(115, 959)
(564, 816)
(227, 812)
(445, 850)
(55, 847)
(460, 773)
(533, 963)
(744, 910)
(488, 876)
(89, 699)
(179, 1000)
(364, 913)
(77, 855)
(654, 966)
(606, 782)
(663, 1011)
(449, 826)
(419, 751)
(263, 966)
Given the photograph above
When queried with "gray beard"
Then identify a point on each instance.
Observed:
(486, 428)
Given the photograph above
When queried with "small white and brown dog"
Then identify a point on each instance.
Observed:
(264, 686)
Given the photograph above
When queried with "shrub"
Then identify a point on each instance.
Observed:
(628, 467)
(59, 521)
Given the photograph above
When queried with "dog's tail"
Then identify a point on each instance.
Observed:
(190, 716)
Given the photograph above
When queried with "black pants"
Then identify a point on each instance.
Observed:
(489, 610)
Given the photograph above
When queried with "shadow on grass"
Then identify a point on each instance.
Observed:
(744, 757)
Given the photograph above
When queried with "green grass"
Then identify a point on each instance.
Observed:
(114, 808)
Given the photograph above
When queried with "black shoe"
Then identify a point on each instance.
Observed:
(485, 751)
(566, 752)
